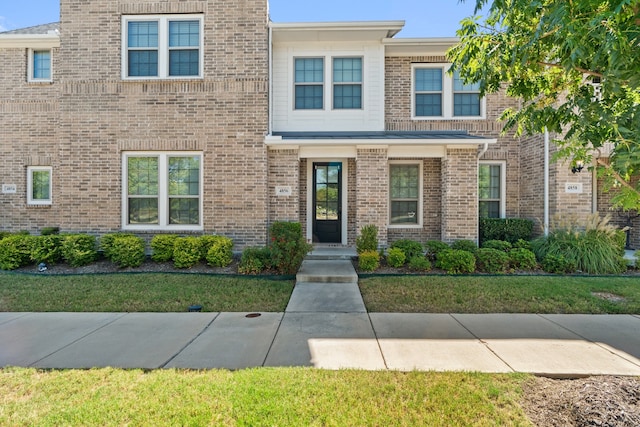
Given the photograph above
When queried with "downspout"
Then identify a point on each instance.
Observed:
(546, 182)
(484, 150)
(270, 83)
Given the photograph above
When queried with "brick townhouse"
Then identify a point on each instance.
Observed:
(202, 116)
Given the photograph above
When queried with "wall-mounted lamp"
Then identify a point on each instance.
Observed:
(577, 166)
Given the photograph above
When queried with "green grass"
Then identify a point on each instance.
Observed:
(258, 397)
(141, 293)
(499, 294)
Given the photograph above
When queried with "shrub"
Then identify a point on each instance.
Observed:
(465, 245)
(522, 244)
(219, 253)
(46, 248)
(288, 246)
(48, 231)
(368, 239)
(500, 245)
(252, 260)
(396, 257)
(434, 247)
(4, 234)
(636, 255)
(79, 249)
(187, 251)
(419, 263)
(162, 247)
(369, 260)
(410, 248)
(491, 260)
(15, 251)
(126, 250)
(522, 259)
(456, 261)
(558, 264)
(508, 229)
(106, 243)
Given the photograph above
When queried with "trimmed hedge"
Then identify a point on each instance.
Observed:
(125, 250)
(456, 261)
(79, 249)
(369, 260)
(507, 229)
(491, 260)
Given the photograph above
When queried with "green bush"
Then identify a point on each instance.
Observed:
(219, 252)
(558, 264)
(456, 261)
(47, 231)
(253, 260)
(46, 248)
(79, 249)
(126, 250)
(508, 229)
(106, 243)
(396, 257)
(491, 260)
(464, 245)
(522, 259)
(368, 239)
(187, 251)
(369, 260)
(410, 248)
(522, 244)
(162, 247)
(419, 263)
(500, 245)
(620, 239)
(15, 251)
(288, 246)
(4, 234)
(434, 247)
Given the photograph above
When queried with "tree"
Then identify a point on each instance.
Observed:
(575, 65)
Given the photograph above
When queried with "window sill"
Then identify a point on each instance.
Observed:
(397, 226)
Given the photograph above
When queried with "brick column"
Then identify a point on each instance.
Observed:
(372, 191)
(284, 171)
(460, 195)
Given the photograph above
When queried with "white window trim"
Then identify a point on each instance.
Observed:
(420, 165)
(163, 190)
(447, 95)
(30, 66)
(503, 183)
(30, 199)
(334, 84)
(163, 45)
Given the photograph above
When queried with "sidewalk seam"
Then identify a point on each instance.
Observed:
(163, 365)
(273, 340)
(375, 335)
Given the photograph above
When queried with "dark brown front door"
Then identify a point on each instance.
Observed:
(327, 202)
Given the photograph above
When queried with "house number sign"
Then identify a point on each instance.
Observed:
(9, 188)
(283, 190)
(573, 187)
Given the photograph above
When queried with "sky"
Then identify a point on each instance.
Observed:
(423, 18)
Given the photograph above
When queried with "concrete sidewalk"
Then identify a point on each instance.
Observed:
(555, 345)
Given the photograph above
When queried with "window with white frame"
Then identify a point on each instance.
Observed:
(39, 185)
(309, 83)
(162, 47)
(405, 194)
(162, 190)
(491, 187)
(347, 83)
(39, 65)
(438, 94)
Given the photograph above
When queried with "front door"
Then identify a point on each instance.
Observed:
(327, 202)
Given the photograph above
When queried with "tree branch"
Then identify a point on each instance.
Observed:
(582, 70)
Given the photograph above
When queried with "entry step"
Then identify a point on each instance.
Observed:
(327, 271)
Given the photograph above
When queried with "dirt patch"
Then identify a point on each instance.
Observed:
(609, 296)
(594, 401)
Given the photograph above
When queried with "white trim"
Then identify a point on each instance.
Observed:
(420, 207)
(503, 182)
(31, 52)
(163, 192)
(39, 202)
(345, 196)
(43, 41)
(163, 45)
(447, 94)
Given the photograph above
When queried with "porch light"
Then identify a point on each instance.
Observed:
(577, 166)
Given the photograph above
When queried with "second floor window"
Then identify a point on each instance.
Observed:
(162, 47)
(309, 83)
(347, 83)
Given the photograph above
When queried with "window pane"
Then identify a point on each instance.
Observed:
(466, 104)
(308, 97)
(143, 34)
(489, 209)
(42, 65)
(143, 210)
(404, 181)
(459, 86)
(143, 63)
(142, 176)
(404, 212)
(41, 185)
(184, 211)
(428, 79)
(428, 105)
(347, 70)
(347, 96)
(184, 176)
(184, 33)
(184, 62)
(309, 70)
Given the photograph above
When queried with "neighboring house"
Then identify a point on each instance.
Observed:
(203, 117)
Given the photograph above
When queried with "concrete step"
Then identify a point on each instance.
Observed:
(327, 271)
(331, 253)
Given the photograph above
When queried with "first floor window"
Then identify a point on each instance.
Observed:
(404, 192)
(490, 190)
(40, 66)
(163, 190)
(39, 185)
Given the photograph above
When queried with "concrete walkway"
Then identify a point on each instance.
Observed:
(326, 325)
